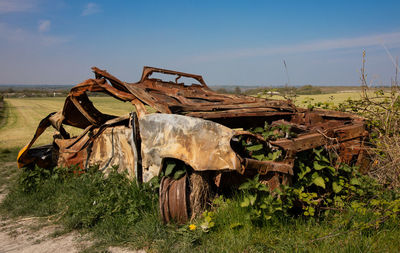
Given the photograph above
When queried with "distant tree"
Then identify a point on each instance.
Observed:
(238, 90)
(222, 91)
(308, 90)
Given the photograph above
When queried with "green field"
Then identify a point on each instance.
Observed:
(24, 114)
(335, 98)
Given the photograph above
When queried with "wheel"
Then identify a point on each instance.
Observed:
(184, 199)
(174, 199)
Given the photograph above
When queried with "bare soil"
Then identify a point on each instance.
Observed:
(35, 234)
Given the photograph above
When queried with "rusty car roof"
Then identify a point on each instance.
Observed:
(196, 100)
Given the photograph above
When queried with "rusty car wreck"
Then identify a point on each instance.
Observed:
(193, 126)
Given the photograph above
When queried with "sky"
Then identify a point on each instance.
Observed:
(227, 42)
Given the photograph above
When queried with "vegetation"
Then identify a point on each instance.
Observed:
(302, 90)
(34, 91)
(2, 112)
(117, 211)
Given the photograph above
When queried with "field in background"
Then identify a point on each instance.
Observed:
(24, 114)
(335, 98)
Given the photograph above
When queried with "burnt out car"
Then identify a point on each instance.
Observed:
(195, 138)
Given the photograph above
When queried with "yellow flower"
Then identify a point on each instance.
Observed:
(192, 227)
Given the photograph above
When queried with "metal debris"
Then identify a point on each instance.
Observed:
(192, 124)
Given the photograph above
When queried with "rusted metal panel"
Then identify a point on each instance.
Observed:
(263, 167)
(114, 147)
(174, 97)
(238, 113)
(72, 152)
(202, 144)
(27, 158)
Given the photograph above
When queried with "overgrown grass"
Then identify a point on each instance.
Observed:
(8, 167)
(117, 211)
(3, 112)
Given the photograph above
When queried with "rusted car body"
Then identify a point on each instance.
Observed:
(191, 124)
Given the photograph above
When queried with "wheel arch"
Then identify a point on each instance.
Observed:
(203, 145)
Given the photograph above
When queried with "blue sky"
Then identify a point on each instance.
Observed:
(228, 42)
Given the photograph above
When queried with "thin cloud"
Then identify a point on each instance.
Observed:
(44, 26)
(12, 34)
(20, 36)
(9, 6)
(49, 40)
(90, 9)
(392, 39)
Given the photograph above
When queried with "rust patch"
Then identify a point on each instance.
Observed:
(114, 147)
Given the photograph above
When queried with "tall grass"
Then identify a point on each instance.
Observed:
(381, 110)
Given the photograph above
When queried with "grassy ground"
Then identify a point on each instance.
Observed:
(335, 98)
(117, 212)
(8, 168)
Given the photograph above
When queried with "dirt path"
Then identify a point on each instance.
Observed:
(33, 234)
(37, 235)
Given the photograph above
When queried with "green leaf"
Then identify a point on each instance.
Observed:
(258, 130)
(267, 217)
(354, 181)
(259, 157)
(169, 169)
(324, 159)
(245, 186)
(319, 181)
(236, 225)
(331, 169)
(336, 187)
(318, 166)
(252, 199)
(317, 151)
(245, 202)
(179, 174)
(255, 147)
(276, 155)
(303, 171)
(345, 167)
